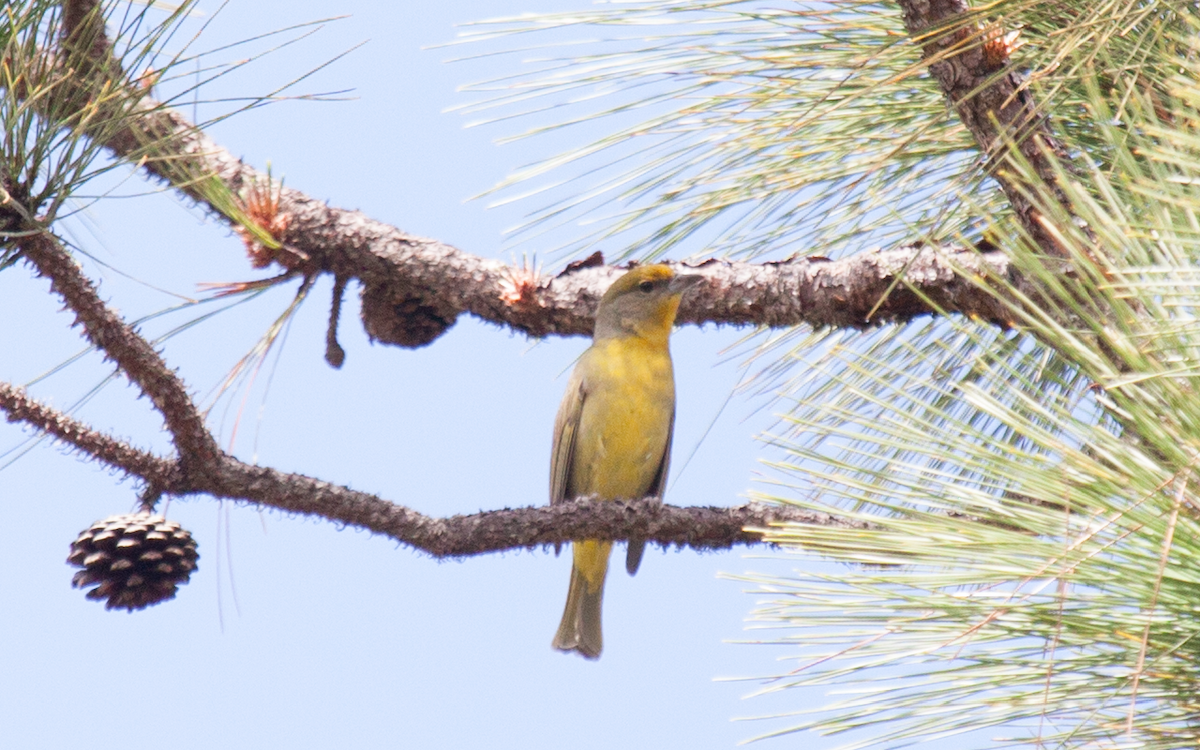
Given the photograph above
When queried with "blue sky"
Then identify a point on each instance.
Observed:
(295, 633)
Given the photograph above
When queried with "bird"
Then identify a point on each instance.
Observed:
(612, 434)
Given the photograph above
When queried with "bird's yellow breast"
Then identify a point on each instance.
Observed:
(626, 418)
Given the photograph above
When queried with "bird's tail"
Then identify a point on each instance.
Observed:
(580, 626)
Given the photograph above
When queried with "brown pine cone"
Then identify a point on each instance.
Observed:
(137, 559)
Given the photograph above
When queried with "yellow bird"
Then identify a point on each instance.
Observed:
(612, 436)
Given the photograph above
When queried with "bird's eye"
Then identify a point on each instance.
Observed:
(646, 286)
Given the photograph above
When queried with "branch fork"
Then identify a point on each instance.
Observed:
(414, 289)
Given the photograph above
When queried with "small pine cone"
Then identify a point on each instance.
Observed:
(137, 559)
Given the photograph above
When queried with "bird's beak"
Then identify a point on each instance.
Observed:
(683, 282)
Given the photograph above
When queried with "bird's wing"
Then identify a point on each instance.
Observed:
(658, 486)
(566, 426)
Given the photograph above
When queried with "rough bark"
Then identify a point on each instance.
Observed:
(414, 288)
(92, 443)
(970, 61)
(121, 344)
(701, 528)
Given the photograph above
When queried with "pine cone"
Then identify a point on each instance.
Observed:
(137, 559)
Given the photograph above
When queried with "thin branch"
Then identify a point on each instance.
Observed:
(120, 343)
(700, 528)
(20, 407)
(335, 355)
(1163, 560)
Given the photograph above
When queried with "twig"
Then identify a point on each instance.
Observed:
(335, 355)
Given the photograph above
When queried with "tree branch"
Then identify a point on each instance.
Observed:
(120, 343)
(84, 36)
(19, 407)
(700, 528)
(970, 62)
(414, 289)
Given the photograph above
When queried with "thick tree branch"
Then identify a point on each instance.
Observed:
(84, 36)
(970, 61)
(415, 288)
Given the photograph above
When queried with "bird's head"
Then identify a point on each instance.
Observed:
(643, 302)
